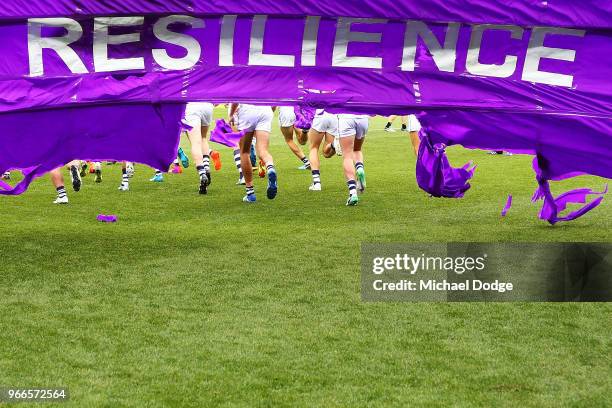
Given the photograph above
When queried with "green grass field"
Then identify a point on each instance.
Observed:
(203, 301)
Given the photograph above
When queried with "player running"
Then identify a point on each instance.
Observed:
(352, 130)
(287, 119)
(256, 121)
(199, 116)
(324, 126)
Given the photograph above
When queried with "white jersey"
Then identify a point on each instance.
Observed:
(199, 114)
(252, 118)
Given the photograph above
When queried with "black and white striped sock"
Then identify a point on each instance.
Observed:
(125, 178)
(250, 190)
(61, 192)
(237, 161)
(306, 161)
(201, 171)
(207, 163)
(271, 168)
(352, 186)
(316, 177)
(359, 165)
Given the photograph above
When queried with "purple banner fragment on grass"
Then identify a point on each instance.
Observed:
(107, 218)
(554, 206)
(507, 206)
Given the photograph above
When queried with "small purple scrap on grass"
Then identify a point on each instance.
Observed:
(507, 207)
(107, 218)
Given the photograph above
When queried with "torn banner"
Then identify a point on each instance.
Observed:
(483, 65)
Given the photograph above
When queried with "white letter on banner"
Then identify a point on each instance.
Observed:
(444, 57)
(538, 51)
(101, 41)
(309, 44)
(344, 36)
(256, 55)
(226, 45)
(60, 45)
(194, 50)
(473, 64)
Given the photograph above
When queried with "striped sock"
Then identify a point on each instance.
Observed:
(250, 190)
(270, 167)
(201, 170)
(306, 161)
(176, 162)
(158, 172)
(125, 180)
(316, 177)
(237, 161)
(207, 163)
(358, 166)
(61, 192)
(352, 186)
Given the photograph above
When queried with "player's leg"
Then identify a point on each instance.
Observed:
(332, 147)
(414, 127)
(286, 117)
(238, 162)
(389, 125)
(97, 166)
(348, 163)
(263, 129)
(359, 164)
(316, 138)
(246, 167)
(301, 135)
(125, 178)
(263, 143)
(75, 174)
(206, 118)
(349, 129)
(58, 182)
(288, 135)
(158, 177)
(194, 117)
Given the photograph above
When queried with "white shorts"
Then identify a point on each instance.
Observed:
(252, 118)
(325, 123)
(286, 116)
(353, 125)
(199, 114)
(413, 124)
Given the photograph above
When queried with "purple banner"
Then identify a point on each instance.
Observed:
(39, 141)
(531, 76)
